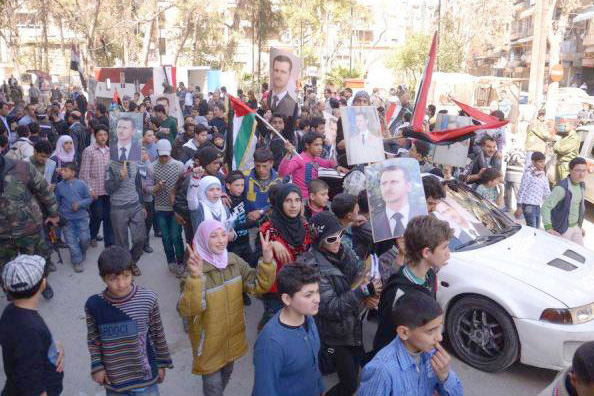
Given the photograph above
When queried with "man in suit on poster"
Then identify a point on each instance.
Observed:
(126, 148)
(280, 100)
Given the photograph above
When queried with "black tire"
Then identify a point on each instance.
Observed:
(482, 334)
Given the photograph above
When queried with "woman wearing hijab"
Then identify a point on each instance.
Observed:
(212, 302)
(205, 203)
(341, 304)
(290, 236)
(63, 154)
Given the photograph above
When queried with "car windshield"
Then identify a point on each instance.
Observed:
(475, 221)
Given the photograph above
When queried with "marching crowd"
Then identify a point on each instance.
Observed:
(278, 231)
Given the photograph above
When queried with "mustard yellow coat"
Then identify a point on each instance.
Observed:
(214, 306)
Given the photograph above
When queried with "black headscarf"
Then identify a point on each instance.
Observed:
(291, 229)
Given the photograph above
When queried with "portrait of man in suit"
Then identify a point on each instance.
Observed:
(365, 144)
(465, 230)
(389, 219)
(283, 73)
(127, 146)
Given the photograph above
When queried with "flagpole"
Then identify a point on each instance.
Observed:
(275, 131)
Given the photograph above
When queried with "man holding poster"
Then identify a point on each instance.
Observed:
(284, 71)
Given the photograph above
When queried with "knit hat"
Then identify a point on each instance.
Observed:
(208, 155)
(325, 224)
(218, 135)
(163, 147)
(23, 273)
(361, 95)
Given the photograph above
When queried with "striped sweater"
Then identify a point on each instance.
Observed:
(126, 338)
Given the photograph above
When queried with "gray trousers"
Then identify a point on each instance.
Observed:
(133, 218)
(214, 384)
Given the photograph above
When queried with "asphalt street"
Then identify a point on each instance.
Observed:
(65, 317)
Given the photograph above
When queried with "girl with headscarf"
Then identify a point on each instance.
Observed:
(290, 236)
(205, 203)
(63, 154)
(212, 302)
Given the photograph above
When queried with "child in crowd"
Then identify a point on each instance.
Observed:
(125, 336)
(534, 189)
(286, 351)
(63, 154)
(304, 168)
(205, 203)
(577, 380)
(414, 363)
(219, 142)
(235, 183)
(211, 300)
(489, 186)
(147, 196)
(426, 241)
(33, 363)
(74, 199)
(346, 208)
(318, 198)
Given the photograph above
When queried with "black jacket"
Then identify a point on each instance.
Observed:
(339, 316)
(386, 330)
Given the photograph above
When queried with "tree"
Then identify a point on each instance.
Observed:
(410, 58)
(339, 74)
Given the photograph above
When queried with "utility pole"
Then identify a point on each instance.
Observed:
(539, 50)
(438, 28)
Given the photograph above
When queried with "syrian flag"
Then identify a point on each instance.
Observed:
(243, 139)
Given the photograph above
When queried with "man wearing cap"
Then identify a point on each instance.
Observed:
(25, 200)
(33, 362)
(161, 178)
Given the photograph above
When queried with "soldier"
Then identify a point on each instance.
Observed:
(24, 200)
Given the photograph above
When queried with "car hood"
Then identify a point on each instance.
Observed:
(527, 257)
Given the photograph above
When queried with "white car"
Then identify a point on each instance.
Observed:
(512, 292)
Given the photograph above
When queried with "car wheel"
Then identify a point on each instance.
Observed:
(482, 334)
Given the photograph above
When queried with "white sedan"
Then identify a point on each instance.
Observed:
(512, 292)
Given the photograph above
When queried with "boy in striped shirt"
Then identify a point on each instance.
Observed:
(125, 333)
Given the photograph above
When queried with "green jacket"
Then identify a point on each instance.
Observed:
(537, 136)
(26, 200)
(568, 147)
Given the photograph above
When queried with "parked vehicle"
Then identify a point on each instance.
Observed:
(587, 152)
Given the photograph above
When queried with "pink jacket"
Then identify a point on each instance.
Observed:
(303, 170)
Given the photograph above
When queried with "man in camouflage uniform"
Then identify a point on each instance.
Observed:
(24, 201)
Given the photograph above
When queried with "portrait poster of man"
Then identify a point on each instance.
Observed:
(464, 225)
(395, 194)
(171, 104)
(285, 69)
(125, 136)
(363, 136)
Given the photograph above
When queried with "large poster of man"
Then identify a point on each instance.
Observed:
(395, 194)
(125, 136)
(285, 69)
(363, 136)
(171, 104)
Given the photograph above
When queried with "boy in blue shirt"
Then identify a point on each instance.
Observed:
(414, 363)
(286, 351)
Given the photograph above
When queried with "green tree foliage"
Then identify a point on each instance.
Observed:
(339, 74)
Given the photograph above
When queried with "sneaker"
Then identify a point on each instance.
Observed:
(48, 293)
(93, 243)
(172, 267)
(78, 267)
(99, 238)
(136, 270)
(51, 267)
(148, 249)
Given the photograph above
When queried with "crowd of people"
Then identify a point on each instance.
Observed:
(277, 231)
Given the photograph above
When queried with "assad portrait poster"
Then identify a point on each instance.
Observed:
(362, 134)
(171, 104)
(125, 136)
(396, 195)
(285, 69)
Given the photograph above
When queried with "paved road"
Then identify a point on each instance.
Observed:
(65, 317)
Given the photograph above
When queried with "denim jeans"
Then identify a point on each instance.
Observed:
(152, 390)
(215, 383)
(531, 215)
(99, 211)
(77, 236)
(171, 236)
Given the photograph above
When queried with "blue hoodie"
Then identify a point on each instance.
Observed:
(256, 190)
(70, 191)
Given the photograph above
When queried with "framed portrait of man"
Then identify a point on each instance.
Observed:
(285, 69)
(395, 193)
(171, 104)
(363, 134)
(125, 136)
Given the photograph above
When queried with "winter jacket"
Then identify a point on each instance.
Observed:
(214, 305)
(338, 318)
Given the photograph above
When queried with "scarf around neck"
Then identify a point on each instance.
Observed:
(59, 152)
(291, 229)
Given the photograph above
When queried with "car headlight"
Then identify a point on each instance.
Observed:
(577, 315)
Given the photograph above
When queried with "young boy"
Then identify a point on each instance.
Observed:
(286, 351)
(125, 334)
(33, 363)
(577, 380)
(219, 142)
(346, 209)
(414, 363)
(304, 168)
(534, 189)
(426, 242)
(74, 198)
(318, 198)
(488, 186)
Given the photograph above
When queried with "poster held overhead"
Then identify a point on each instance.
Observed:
(363, 136)
(171, 104)
(125, 136)
(285, 69)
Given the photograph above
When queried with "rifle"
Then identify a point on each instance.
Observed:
(53, 240)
